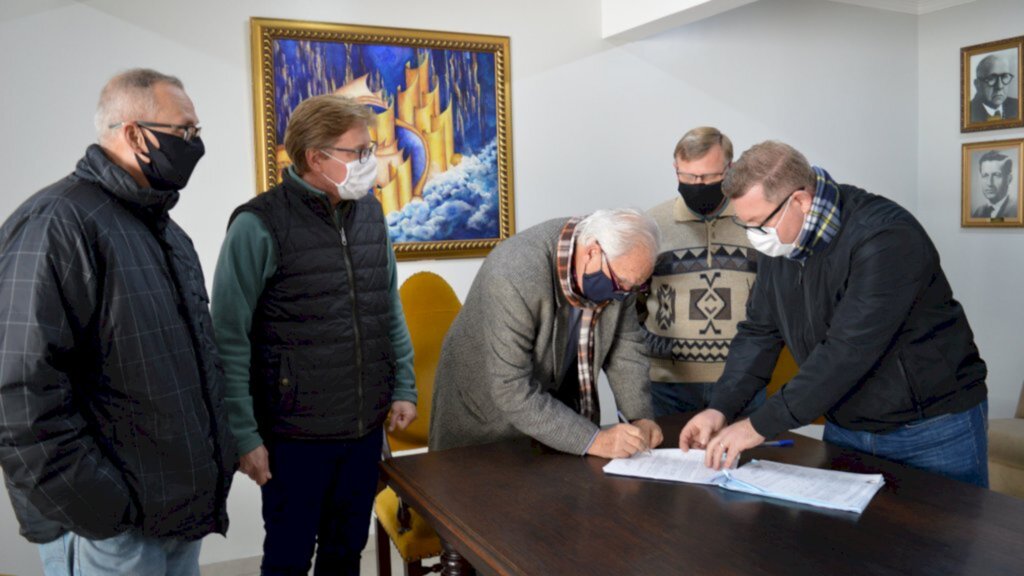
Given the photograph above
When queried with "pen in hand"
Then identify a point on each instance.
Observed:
(777, 443)
(646, 449)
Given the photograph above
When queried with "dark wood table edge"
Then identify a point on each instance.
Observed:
(455, 536)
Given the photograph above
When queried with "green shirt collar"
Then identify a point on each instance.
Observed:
(291, 172)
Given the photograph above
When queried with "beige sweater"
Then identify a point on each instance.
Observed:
(699, 293)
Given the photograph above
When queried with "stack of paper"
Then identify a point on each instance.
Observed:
(823, 488)
(666, 464)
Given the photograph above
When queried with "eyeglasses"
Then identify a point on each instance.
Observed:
(688, 178)
(760, 227)
(1005, 78)
(364, 153)
(616, 285)
(188, 131)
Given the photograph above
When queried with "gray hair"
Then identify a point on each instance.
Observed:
(128, 96)
(619, 231)
(696, 143)
(778, 167)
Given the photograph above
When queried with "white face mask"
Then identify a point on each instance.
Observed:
(768, 243)
(358, 178)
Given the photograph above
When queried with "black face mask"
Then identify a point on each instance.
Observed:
(171, 165)
(703, 199)
(599, 288)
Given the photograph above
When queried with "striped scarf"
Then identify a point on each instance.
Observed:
(588, 321)
(822, 222)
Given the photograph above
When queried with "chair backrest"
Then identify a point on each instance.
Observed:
(430, 306)
(785, 369)
(1020, 404)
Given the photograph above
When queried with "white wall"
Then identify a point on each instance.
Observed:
(983, 264)
(594, 123)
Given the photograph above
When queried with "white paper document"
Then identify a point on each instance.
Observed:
(666, 464)
(813, 486)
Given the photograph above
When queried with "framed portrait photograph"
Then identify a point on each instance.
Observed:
(442, 123)
(992, 190)
(990, 78)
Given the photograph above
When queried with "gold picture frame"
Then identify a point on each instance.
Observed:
(442, 123)
(991, 103)
(992, 193)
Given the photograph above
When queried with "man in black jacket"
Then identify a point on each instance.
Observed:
(113, 434)
(854, 287)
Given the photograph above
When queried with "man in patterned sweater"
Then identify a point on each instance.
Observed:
(701, 280)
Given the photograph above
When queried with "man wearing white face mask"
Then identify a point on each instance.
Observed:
(855, 290)
(313, 339)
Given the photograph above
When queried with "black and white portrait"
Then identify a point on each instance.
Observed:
(992, 85)
(992, 185)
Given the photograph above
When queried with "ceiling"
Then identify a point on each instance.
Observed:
(630, 20)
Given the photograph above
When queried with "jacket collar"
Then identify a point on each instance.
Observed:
(97, 167)
(682, 213)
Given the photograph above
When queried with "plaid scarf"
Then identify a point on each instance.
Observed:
(588, 321)
(822, 222)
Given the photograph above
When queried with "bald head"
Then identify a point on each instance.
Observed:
(129, 96)
(992, 78)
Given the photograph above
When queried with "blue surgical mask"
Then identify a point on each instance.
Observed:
(599, 288)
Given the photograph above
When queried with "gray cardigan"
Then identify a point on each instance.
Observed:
(502, 355)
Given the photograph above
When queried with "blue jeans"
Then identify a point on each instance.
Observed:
(319, 496)
(953, 445)
(673, 398)
(127, 554)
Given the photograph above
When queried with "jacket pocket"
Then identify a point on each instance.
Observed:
(281, 385)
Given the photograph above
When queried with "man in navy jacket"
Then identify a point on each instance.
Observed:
(854, 288)
(113, 434)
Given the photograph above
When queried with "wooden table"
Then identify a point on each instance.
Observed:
(515, 508)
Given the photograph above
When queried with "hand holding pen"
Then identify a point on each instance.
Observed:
(651, 431)
(626, 439)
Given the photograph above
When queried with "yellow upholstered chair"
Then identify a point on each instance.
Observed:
(430, 306)
(1006, 452)
(785, 369)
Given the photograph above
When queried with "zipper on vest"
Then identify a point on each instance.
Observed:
(339, 224)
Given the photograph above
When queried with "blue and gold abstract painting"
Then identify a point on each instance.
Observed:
(440, 124)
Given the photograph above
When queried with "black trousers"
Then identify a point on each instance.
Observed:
(319, 497)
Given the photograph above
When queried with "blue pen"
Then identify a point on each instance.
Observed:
(777, 443)
(623, 420)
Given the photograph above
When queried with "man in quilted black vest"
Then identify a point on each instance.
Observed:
(314, 342)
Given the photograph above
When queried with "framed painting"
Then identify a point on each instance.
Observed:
(992, 190)
(442, 123)
(990, 85)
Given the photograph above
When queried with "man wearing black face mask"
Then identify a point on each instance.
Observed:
(550, 307)
(701, 279)
(113, 433)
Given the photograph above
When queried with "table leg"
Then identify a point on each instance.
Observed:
(453, 564)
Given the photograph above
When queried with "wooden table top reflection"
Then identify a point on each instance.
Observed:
(514, 508)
